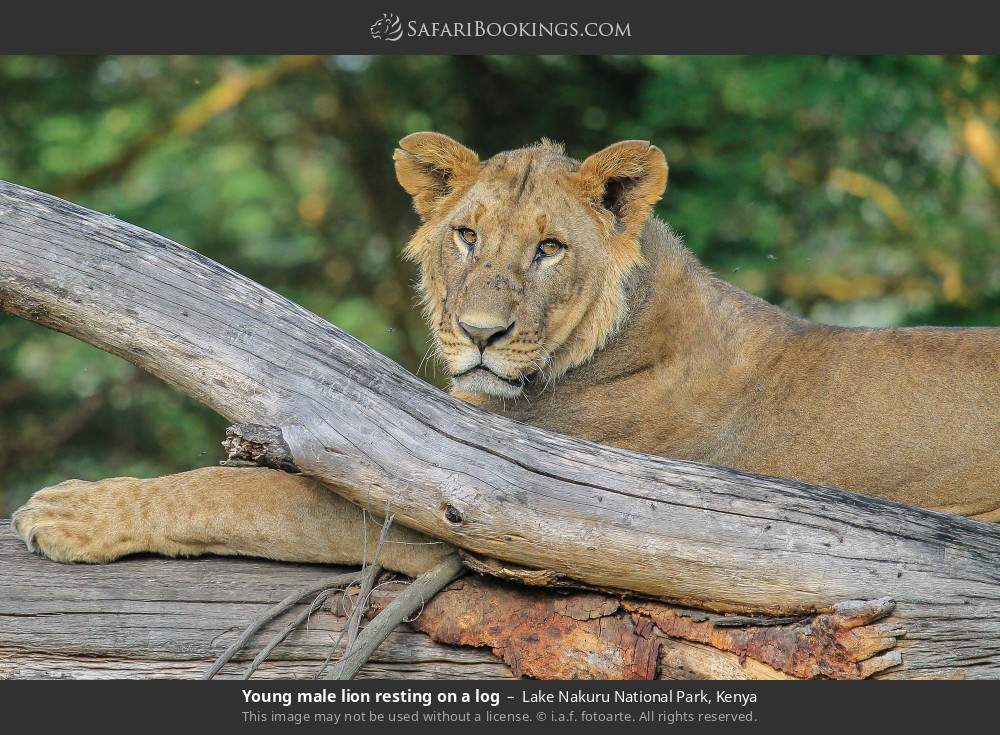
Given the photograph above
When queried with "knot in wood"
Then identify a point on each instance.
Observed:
(452, 514)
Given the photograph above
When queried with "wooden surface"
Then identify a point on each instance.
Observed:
(156, 618)
(170, 618)
(590, 635)
(694, 534)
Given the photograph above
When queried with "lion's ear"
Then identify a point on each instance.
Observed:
(626, 179)
(430, 166)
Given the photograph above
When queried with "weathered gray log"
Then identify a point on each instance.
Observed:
(170, 618)
(704, 536)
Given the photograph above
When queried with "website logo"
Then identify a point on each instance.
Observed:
(387, 28)
(390, 28)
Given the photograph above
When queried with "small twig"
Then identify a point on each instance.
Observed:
(298, 620)
(368, 575)
(411, 599)
(273, 612)
(329, 656)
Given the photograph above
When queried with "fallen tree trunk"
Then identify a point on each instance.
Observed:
(170, 618)
(691, 534)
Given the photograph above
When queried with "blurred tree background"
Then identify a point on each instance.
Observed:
(851, 190)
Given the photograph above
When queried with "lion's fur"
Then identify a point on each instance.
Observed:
(679, 363)
(561, 315)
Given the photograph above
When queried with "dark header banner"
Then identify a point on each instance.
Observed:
(512, 27)
(521, 706)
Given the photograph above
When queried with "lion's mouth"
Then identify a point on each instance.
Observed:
(518, 382)
(480, 379)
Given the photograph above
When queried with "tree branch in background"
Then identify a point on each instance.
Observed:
(225, 94)
(865, 187)
(984, 145)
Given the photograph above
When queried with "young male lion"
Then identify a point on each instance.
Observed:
(557, 299)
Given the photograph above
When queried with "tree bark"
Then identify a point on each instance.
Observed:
(171, 618)
(588, 635)
(691, 534)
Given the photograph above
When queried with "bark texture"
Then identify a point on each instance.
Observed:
(587, 635)
(150, 617)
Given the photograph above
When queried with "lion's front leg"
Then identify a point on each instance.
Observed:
(215, 510)
(79, 521)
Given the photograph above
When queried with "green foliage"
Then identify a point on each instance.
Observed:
(853, 190)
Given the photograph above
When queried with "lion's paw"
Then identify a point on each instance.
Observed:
(74, 522)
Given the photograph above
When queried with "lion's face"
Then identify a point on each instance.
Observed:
(523, 258)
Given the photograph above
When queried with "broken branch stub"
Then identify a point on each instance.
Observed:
(253, 444)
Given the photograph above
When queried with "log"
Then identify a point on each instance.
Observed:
(686, 533)
(149, 617)
(154, 618)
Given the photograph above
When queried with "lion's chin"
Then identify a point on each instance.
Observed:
(480, 380)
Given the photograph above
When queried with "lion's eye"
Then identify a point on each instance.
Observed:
(466, 236)
(548, 248)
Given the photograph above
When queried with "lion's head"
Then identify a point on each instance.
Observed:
(524, 257)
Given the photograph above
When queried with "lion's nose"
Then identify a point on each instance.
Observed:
(483, 337)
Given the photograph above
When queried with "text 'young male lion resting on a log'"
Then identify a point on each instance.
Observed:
(555, 298)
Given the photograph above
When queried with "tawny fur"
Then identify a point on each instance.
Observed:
(622, 338)
(215, 510)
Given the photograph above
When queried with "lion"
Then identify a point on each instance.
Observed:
(556, 297)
